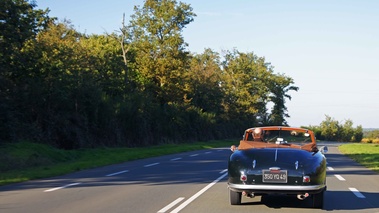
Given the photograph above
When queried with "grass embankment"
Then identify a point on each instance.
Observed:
(365, 154)
(26, 161)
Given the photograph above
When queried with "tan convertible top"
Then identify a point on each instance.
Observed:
(247, 143)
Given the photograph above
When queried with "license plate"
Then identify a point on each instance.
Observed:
(276, 176)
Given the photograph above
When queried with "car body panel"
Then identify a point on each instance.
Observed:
(289, 163)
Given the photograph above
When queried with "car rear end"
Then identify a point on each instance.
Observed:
(254, 172)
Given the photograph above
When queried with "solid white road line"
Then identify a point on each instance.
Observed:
(357, 193)
(184, 204)
(172, 204)
(339, 177)
(153, 164)
(62, 187)
(117, 173)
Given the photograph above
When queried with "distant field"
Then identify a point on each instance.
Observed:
(363, 153)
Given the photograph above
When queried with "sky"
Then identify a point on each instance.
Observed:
(329, 48)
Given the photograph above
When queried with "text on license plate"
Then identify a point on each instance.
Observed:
(274, 176)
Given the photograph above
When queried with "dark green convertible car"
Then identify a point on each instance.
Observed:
(277, 160)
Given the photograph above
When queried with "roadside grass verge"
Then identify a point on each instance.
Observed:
(25, 161)
(363, 153)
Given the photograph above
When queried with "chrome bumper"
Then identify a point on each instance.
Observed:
(275, 188)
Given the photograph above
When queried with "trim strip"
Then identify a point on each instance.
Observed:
(276, 154)
(276, 187)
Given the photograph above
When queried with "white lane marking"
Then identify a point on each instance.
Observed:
(174, 159)
(62, 187)
(339, 177)
(330, 168)
(117, 173)
(225, 170)
(153, 164)
(357, 193)
(208, 152)
(194, 155)
(184, 204)
(172, 204)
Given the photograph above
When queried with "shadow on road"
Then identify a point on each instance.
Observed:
(188, 170)
(334, 200)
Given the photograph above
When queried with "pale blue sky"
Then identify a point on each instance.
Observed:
(330, 48)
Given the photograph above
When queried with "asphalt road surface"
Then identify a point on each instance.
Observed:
(187, 183)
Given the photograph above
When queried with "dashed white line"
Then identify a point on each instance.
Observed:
(62, 187)
(357, 193)
(339, 177)
(354, 190)
(117, 173)
(185, 203)
(175, 159)
(194, 155)
(172, 204)
(225, 170)
(208, 152)
(153, 164)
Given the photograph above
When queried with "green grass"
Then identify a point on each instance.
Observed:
(27, 161)
(365, 154)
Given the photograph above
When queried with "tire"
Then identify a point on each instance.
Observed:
(235, 197)
(318, 200)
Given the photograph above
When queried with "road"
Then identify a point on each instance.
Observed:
(187, 183)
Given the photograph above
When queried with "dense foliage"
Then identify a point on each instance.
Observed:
(373, 134)
(333, 130)
(139, 86)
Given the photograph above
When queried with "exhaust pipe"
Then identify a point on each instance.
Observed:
(249, 195)
(302, 196)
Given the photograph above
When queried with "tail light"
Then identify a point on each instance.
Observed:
(243, 177)
(306, 179)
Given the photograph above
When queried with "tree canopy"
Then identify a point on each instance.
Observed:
(333, 130)
(135, 87)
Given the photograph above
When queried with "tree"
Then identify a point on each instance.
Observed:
(280, 86)
(204, 90)
(62, 93)
(161, 57)
(347, 131)
(136, 88)
(330, 128)
(358, 134)
(372, 134)
(245, 85)
(124, 40)
(19, 23)
(250, 84)
(106, 63)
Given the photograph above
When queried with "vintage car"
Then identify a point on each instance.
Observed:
(277, 160)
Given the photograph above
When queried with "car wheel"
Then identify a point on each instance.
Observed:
(235, 197)
(318, 200)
